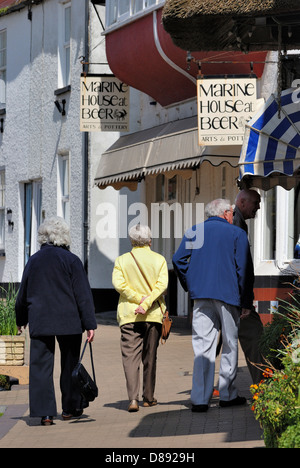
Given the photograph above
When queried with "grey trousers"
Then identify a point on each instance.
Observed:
(139, 343)
(209, 316)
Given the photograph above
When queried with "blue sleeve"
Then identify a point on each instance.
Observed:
(181, 260)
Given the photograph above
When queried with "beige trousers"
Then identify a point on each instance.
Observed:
(139, 343)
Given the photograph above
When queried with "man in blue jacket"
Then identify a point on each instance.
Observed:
(217, 276)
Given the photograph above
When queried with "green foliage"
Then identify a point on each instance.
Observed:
(276, 399)
(4, 382)
(7, 311)
(271, 342)
(290, 437)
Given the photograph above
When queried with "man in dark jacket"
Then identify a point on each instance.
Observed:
(246, 205)
(216, 277)
(55, 299)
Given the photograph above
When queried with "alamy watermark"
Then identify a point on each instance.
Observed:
(166, 220)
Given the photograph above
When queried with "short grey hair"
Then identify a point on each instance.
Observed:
(54, 230)
(217, 207)
(140, 235)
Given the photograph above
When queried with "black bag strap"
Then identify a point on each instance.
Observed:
(91, 353)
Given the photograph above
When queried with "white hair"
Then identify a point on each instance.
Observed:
(217, 207)
(54, 231)
(140, 235)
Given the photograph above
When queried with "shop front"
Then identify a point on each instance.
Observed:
(177, 178)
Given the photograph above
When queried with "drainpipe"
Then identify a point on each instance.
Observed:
(86, 155)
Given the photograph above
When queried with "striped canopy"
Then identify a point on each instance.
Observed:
(271, 145)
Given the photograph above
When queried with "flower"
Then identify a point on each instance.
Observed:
(268, 373)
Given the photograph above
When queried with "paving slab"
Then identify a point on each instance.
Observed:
(107, 424)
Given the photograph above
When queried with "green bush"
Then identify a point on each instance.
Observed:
(7, 311)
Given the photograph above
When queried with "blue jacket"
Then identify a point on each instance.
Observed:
(55, 296)
(221, 269)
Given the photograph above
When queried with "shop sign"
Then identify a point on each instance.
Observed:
(224, 106)
(104, 104)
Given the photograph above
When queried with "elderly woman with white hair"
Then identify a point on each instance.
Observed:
(141, 278)
(55, 299)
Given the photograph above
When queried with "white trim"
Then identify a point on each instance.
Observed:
(165, 57)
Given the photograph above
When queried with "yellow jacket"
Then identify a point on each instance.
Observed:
(132, 287)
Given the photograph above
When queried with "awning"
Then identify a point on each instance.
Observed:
(270, 154)
(170, 149)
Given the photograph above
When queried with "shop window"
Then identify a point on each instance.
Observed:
(172, 188)
(160, 188)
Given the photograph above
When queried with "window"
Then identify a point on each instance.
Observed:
(2, 210)
(269, 219)
(64, 45)
(32, 217)
(2, 68)
(280, 221)
(118, 11)
(64, 188)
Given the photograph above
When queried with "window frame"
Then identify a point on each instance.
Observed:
(63, 196)
(114, 20)
(2, 211)
(282, 261)
(3, 70)
(64, 46)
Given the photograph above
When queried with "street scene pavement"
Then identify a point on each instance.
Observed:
(107, 424)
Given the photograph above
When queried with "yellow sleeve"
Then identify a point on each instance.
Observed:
(159, 288)
(122, 287)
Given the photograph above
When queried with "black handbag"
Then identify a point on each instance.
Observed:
(83, 381)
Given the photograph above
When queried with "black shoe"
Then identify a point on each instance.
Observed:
(66, 415)
(199, 408)
(47, 421)
(235, 402)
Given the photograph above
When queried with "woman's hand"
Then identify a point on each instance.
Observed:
(90, 335)
(140, 310)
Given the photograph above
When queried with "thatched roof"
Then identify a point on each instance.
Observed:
(210, 24)
(188, 8)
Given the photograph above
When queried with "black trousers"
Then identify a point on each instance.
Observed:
(250, 332)
(42, 399)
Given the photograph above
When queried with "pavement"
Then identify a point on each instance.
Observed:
(170, 426)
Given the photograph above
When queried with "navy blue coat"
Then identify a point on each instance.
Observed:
(221, 269)
(55, 296)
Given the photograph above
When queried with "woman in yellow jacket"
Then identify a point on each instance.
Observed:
(140, 312)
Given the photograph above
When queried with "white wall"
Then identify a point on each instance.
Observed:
(34, 131)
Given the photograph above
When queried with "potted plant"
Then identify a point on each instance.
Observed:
(12, 346)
